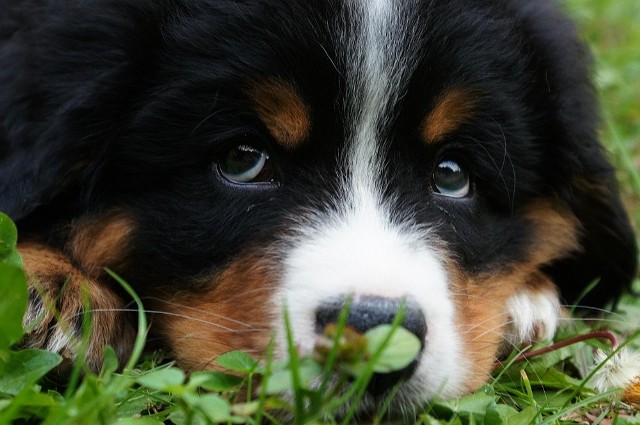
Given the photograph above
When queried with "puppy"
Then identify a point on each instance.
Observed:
(232, 159)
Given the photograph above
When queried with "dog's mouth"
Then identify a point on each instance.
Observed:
(382, 384)
(368, 346)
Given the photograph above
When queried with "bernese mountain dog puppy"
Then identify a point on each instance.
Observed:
(230, 158)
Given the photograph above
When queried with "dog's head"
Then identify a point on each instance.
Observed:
(232, 158)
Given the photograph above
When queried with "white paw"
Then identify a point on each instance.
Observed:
(534, 316)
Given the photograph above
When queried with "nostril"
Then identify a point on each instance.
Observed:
(367, 312)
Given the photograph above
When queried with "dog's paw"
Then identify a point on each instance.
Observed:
(71, 314)
(535, 315)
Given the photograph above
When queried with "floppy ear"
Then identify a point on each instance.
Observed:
(576, 165)
(587, 184)
(32, 181)
(31, 178)
(54, 71)
(42, 149)
(609, 252)
(35, 159)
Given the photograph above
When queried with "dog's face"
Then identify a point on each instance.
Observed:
(232, 159)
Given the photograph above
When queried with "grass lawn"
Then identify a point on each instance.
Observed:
(555, 388)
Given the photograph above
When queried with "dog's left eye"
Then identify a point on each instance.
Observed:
(244, 163)
(451, 179)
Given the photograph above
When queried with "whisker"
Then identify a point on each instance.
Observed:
(194, 337)
(477, 325)
(592, 309)
(591, 319)
(489, 330)
(210, 313)
(184, 316)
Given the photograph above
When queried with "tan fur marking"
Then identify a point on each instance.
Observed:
(451, 110)
(482, 319)
(235, 314)
(59, 293)
(283, 111)
(481, 300)
(557, 231)
(101, 242)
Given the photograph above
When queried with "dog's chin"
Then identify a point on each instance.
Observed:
(398, 404)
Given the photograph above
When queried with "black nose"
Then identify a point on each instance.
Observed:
(368, 312)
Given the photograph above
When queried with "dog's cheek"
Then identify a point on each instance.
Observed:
(482, 320)
(235, 313)
(517, 304)
(500, 312)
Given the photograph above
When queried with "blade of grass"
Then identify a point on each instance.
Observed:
(625, 157)
(80, 347)
(387, 403)
(527, 387)
(141, 337)
(262, 398)
(333, 354)
(580, 404)
(294, 367)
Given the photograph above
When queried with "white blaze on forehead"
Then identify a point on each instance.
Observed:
(355, 248)
(378, 61)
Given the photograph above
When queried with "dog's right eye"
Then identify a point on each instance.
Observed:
(245, 163)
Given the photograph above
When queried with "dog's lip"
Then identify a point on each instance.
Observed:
(382, 383)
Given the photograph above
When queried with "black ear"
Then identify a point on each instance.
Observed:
(35, 160)
(35, 176)
(587, 184)
(42, 148)
(56, 66)
(25, 183)
(609, 252)
(577, 170)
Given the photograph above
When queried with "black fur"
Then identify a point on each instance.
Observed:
(130, 104)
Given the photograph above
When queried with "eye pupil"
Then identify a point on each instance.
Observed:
(244, 163)
(241, 158)
(451, 179)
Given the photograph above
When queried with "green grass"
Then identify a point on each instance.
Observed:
(544, 390)
(554, 388)
(550, 389)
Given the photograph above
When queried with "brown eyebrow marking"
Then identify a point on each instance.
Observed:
(283, 111)
(451, 110)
